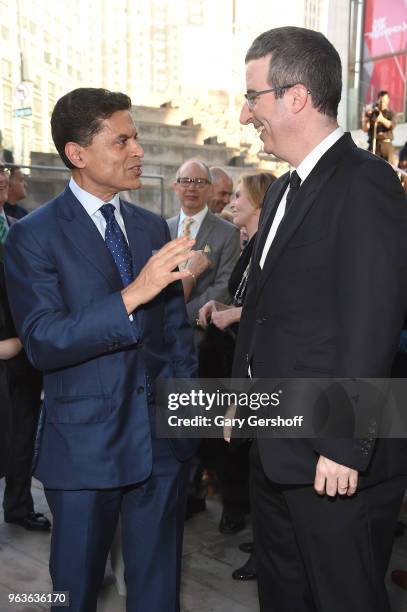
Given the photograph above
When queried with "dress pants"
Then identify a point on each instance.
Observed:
(320, 554)
(152, 518)
(25, 396)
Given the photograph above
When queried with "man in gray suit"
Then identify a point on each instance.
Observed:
(218, 238)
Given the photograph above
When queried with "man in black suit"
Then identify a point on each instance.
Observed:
(326, 298)
(22, 385)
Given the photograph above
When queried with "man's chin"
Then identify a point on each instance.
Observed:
(268, 148)
(131, 185)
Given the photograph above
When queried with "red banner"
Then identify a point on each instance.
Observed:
(385, 33)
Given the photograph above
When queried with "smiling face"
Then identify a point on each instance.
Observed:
(244, 213)
(269, 115)
(193, 197)
(112, 161)
(222, 191)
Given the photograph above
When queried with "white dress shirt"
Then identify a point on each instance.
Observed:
(303, 170)
(195, 226)
(92, 205)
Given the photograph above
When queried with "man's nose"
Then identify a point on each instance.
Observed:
(245, 115)
(138, 150)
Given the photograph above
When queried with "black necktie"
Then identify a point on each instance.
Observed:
(295, 184)
(117, 244)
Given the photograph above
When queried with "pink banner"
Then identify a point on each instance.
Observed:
(385, 33)
(385, 28)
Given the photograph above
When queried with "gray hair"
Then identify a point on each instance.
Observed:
(218, 173)
(302, 56)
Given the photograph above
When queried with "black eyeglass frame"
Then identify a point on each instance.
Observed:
(186, 180)
(252, 95)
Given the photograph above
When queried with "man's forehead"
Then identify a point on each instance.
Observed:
(224, 182)
(193, 170)
(257, 71)
(120, 121)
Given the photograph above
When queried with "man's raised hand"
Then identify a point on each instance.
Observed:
(159, 271)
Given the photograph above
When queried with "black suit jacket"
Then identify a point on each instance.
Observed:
(330, 300)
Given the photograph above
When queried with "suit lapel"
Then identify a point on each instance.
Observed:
(79, 228)
(303, 202)
(173, 226)
(139, 243)
(204, 231)
(270, 205)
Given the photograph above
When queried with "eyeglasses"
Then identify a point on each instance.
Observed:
(252, 95)
(4, 170)
(184, 181)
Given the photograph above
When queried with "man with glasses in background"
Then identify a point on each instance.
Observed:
(215, 236)
(220, 240)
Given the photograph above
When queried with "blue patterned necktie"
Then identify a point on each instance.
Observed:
(117, 244)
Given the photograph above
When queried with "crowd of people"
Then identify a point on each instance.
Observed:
(269, 278)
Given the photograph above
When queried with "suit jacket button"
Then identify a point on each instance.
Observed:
(140, 390)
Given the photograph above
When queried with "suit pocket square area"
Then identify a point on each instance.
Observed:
(79, 409)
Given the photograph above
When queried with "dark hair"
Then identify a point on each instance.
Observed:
(78, 116)
(382, 93)
(302, 56)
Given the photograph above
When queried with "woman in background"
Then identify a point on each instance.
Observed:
(221, 322)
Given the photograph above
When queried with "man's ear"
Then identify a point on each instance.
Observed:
(299, 96)
(73, 151)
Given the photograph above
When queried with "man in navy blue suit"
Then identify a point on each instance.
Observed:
(91, 287)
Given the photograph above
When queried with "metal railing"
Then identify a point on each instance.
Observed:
(157, 177)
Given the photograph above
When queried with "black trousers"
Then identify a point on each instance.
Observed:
(317, 554)
(25, 394)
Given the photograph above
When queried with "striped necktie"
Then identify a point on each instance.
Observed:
(3, 229)
(186, 231)
(186, 227)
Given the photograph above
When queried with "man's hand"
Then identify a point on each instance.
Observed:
(198, 263)
(382, 119)
(333, 478)
(158, 273)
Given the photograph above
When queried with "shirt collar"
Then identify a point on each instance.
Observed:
(311, 160)
(198, 218)
(3, 213)
(90, 202)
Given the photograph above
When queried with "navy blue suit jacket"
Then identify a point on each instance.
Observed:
(64, 292)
